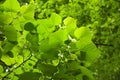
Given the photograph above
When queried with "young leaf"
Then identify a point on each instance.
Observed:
(8, 60)
(5, 18)
(27, 11)
(82, 32)
(11, 5)
(55, 19)
(70, 24)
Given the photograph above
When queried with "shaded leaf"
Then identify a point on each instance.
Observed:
(29, 26)
(47, 69)
(1, 69)
(10, 33)
(29, 76)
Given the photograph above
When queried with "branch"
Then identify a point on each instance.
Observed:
(16, 68)
(100, 44)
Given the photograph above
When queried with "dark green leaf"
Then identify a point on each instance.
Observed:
(29, 76)
(47, 69)
(10, 54)
(29, 26)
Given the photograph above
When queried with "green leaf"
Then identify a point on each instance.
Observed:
(5, 18)
(82, 55)
(90, 50)
(1, 69)
(33, 39)
(55, 62)
(29, 26)
(87, 73)
(7, 47)
(45, 27)
(11, 5)
(10, 33)
(0, 53)
(79, 77)
(28, 11)
(58, 38)
(55, 19)
(8, 60)
(70, 24)
(83, 32)
(47, 69)
(92, 53)
(73, 65)
(29, 76)
(82, 43)
(16, 23)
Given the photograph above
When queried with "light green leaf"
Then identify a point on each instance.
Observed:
(11, 5)
(5, 18)
(58, 37)
(16, 24)
(55, 19)
(55, 62)
(8, 60)
(28, 11)
(83, 32)
(70, 24)
(43, 26)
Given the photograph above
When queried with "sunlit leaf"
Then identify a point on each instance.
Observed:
(5, 18)
(55, 62)
(8, 60)
(55, 19)
(28, 11)
(58, 37)
(11, 5)
(83, 32)
(70, 24)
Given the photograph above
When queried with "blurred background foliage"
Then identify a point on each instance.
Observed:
(102, 17)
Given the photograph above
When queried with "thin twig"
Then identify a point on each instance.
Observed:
(16, 68)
